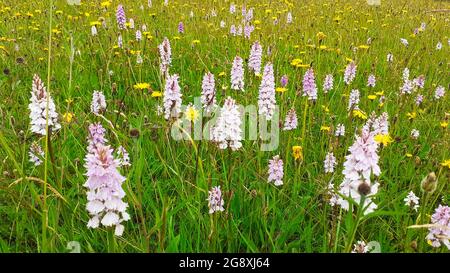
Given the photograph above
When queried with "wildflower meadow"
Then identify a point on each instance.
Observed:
(225, 126)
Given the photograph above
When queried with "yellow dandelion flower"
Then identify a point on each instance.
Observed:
(141, 86)
(296, 62)
(156, 94)
(325, 128)
(67, 117)
(371, 97)
(280, 89)
(444, 124)
(408, 155)
(325, 108)
(191, 113)
(297, 152)
(359, 114)
(411, 115)
(222, 74)
(320, 35)
(384, 139)
(446, 163)
(105, 4)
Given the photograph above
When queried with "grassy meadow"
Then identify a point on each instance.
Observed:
(43, 207)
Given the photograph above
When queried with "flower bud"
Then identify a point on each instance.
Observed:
(429, 183)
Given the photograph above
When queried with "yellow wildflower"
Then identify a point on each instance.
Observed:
(325, 128)
(281, 89)
(320, 36)
(446, 163)
(141, 86)
(68, 117)
(156, 94)
(105, 4)
(411, 115)
(296, 62)
(297, 152)
(191, 113)
(359, 114)
(384, 139)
